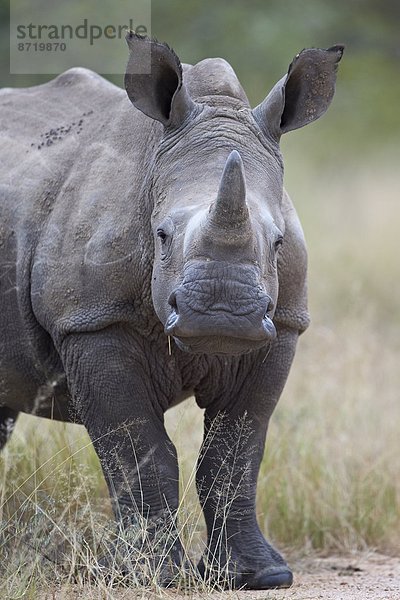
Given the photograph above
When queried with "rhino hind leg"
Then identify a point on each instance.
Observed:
(8, 417)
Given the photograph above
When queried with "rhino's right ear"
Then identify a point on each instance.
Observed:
(153, 81)
(303, 95)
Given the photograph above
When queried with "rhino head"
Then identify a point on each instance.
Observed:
(216, 191)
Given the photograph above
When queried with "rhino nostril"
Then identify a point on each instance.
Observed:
(172, 301)
(270, 307)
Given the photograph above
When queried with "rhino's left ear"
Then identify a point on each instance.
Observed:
(303, 95)
(153, 81)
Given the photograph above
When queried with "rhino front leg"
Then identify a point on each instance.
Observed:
(227, 473)
(115, 399)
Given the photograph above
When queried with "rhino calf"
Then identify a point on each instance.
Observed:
(149, 253)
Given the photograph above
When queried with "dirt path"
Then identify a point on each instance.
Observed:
(361, 577)
(366, 576)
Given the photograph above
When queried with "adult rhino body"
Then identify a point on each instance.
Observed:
(121, 227)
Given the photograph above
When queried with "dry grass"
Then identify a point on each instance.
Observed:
(330, 477)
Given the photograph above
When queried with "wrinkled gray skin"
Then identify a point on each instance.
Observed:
(121, 226)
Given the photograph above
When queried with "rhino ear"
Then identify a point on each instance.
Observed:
(303, 95)
(153, 81)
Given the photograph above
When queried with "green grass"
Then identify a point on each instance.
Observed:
(330, 477)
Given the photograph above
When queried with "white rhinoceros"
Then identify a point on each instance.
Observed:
(148, 253)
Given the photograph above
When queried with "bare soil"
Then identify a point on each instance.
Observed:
(367, 576)
(356, 577)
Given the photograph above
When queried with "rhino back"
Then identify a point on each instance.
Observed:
(46, 130)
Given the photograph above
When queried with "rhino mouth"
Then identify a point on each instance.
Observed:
(220, 334)
(220, 308)
(217, 345)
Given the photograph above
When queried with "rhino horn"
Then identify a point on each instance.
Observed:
(230, 208)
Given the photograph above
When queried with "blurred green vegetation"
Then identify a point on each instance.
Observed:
(260, 37)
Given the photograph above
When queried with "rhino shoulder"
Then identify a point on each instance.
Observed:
(292, 309)
(214, 77)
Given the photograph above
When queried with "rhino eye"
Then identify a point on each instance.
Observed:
(165, 233)
(278, 243)
(162, 235)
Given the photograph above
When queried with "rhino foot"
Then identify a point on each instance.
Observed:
(132, 561)
(245, 560)
(271, 577)
(165, 572)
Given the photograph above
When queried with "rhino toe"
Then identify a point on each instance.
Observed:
(269, 578)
